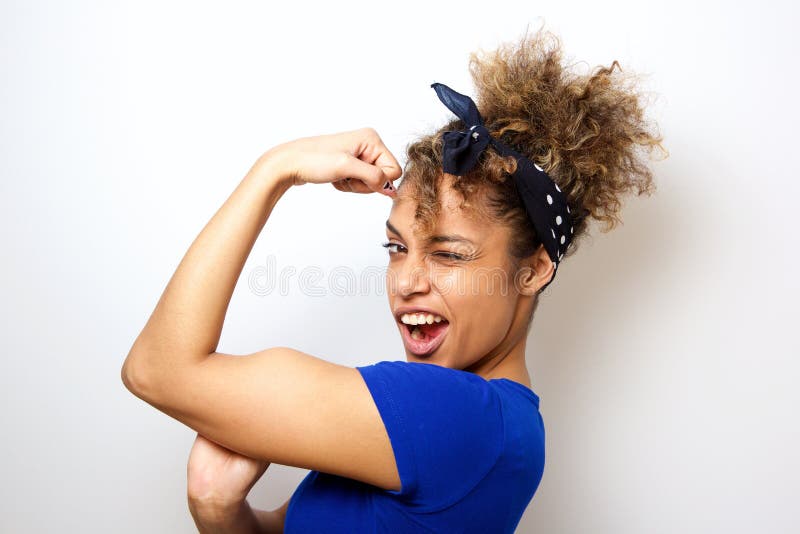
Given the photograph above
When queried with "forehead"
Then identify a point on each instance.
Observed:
(451, 219)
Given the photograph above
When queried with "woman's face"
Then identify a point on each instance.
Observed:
(461, 273)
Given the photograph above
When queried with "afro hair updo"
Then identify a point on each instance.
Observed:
(587, 131)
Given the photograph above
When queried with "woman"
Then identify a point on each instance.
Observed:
(450, 440)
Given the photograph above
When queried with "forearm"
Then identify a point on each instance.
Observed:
(270, 522)
(244, 519)
(187, 321)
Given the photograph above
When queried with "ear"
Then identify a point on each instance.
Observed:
(534, 272)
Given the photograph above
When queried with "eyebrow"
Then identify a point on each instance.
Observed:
(446, 238)
(391, 227)
(450, 238)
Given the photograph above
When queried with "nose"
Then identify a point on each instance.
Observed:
(410, 276)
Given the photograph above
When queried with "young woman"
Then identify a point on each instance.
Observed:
(451, 439)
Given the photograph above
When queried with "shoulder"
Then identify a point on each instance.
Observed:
(413, 375)
(434, 392)
(445, 425)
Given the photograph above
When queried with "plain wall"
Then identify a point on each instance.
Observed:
(665, 353)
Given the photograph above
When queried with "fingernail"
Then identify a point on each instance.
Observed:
(389, 190)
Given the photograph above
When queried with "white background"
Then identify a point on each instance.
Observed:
(665, 353)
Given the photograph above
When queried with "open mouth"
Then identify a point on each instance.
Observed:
(423, 332)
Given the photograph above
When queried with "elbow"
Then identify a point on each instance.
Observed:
(132, 376)
(136, 367)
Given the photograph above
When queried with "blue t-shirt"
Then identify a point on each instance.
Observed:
(470, 454)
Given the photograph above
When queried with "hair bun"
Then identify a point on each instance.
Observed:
(585, 130)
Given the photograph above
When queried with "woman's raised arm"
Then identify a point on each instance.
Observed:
(278, 405)
(185, 327)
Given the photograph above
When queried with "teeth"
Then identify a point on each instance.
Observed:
(420, 318)
(416, 334)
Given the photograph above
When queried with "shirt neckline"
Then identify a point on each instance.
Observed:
(523, 387)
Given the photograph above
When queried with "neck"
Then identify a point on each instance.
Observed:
(504, 364)
(507, 360)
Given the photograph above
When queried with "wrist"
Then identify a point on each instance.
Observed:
(217, 514)
(217, 518)
(273, 168)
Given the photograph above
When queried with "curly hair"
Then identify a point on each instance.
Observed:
(587, 131)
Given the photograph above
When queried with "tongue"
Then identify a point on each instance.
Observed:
(433, 329)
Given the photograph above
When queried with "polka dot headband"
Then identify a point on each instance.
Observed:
(544, 202)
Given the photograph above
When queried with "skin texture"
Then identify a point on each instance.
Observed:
(280, 405)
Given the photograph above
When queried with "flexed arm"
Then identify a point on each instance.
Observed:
(276, 405)
(186, 325)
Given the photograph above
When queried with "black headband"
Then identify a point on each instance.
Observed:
(544, 202)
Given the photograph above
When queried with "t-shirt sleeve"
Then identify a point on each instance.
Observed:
(445, 426)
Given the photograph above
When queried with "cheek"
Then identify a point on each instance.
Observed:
(482, 327)
(493, 283)
(483, 283)
(484, 310)
(455, 282)
(490, 316)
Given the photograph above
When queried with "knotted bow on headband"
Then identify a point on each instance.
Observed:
(544, 202)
